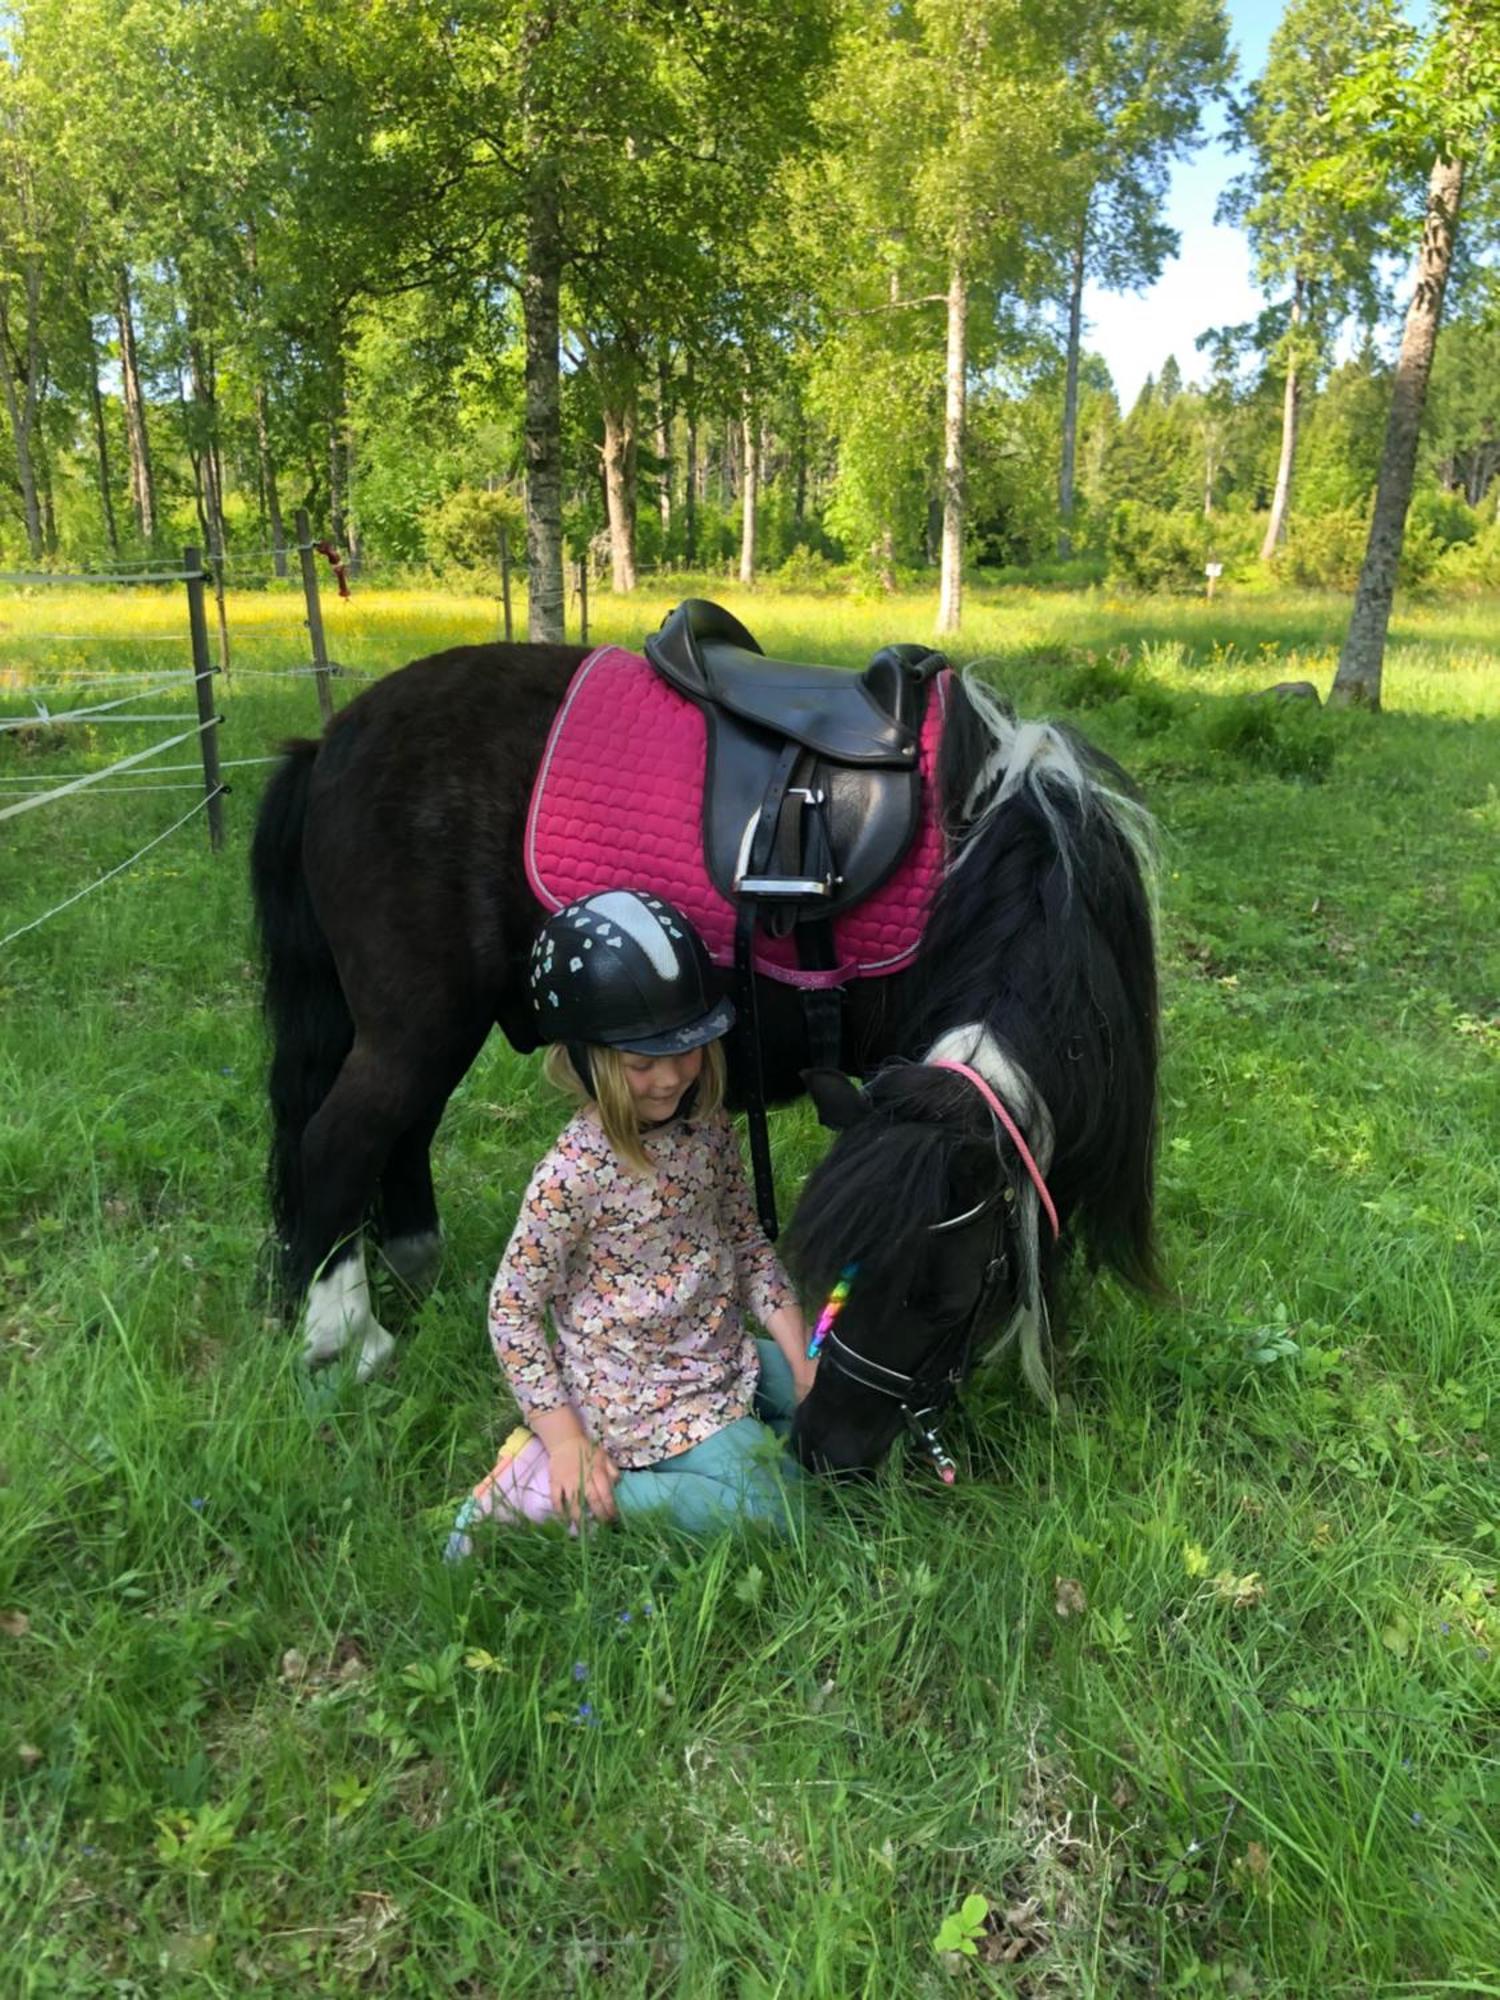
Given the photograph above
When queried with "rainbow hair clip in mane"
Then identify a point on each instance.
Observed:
(831, 1311)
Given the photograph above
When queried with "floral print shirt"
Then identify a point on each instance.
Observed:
(647, 1282)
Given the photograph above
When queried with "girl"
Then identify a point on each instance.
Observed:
(638, 1236)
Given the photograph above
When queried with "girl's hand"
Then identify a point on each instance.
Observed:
(804, 1374)
(582, 1474)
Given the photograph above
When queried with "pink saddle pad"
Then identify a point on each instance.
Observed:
(618, 804)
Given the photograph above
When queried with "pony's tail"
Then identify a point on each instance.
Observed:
(310, 1025)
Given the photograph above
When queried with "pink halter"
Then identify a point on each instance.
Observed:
(1013, 1131)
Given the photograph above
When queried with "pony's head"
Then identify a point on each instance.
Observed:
(921, 1220)
(1037, 973)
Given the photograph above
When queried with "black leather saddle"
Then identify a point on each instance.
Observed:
(811, 797)
(812, 793)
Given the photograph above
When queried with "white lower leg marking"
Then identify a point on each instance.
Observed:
(415, 1259)
(339, 1314)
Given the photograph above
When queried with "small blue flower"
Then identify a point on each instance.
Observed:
(1481, 1652)
(580, 1670)
(198, 1503)
(648, 1610)
(89, 1850)
(586, 1715)
(624, 1617)
(1416, 1819)
(1445, 1628)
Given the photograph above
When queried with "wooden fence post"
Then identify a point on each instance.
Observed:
(314, 621)
(505, 582)
(203, 688)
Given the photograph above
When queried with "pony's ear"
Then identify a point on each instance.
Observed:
(837, 1099)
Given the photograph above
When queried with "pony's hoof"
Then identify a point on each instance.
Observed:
(414, 1260)
(321, 1347)
(375, 1354)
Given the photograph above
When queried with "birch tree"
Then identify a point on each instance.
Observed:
(1312, 245)
(1142, 80)
(1433, 100)
(944, 120)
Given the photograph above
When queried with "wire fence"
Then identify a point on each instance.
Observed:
(23, 793)
(200, 805)
(56, 706)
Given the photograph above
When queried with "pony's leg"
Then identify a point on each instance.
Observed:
(339, 1315)
(411, 1234)
(376, 1096)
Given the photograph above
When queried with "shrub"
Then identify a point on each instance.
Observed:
(1153, 550)
(1097, 683)
(1324, 551)
(810, 570)
(463, 529)
(1288, 738)
(1473, 565)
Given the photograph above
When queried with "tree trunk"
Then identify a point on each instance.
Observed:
(614, 368)
(101, 449)
(137, 439)
(1070, 396)
(1291, 401)
(268, 480)
(49, 510)
(206, 427)
(749, 484)
(18, 381)
(1360, 662)
(353, 541)
(618, 405)
(664, 443)
(540, 291)
(335, 487)
(950, 599)
(206, 423)
(691, 471)
(885, 556)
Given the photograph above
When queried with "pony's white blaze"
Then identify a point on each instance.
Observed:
(339, 1314)
(415, 1259)
(984, 1052)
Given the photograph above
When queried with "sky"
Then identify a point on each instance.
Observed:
(1208, 283)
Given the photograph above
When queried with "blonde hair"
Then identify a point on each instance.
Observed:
(616, 1106)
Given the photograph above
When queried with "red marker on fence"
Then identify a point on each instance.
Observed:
(339, 565)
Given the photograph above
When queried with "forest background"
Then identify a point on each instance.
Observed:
(794, 290)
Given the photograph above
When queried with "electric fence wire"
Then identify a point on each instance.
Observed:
(110, 874)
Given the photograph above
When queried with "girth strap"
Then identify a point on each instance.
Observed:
(757, 863)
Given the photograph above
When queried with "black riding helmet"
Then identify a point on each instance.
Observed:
(625, 970)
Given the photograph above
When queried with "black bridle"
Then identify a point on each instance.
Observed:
(925, 1394)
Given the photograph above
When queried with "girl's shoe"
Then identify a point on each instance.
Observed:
(516, 1489)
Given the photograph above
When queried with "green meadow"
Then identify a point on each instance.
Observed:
(1194, 1689)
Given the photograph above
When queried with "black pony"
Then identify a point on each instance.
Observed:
(396, 920)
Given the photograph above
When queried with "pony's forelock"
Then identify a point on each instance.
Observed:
(886, 1182)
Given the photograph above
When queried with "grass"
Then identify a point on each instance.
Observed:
(1198, 1688)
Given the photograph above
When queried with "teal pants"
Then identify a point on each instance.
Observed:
(742, 1473)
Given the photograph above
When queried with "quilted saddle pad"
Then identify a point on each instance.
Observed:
(618, 804)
